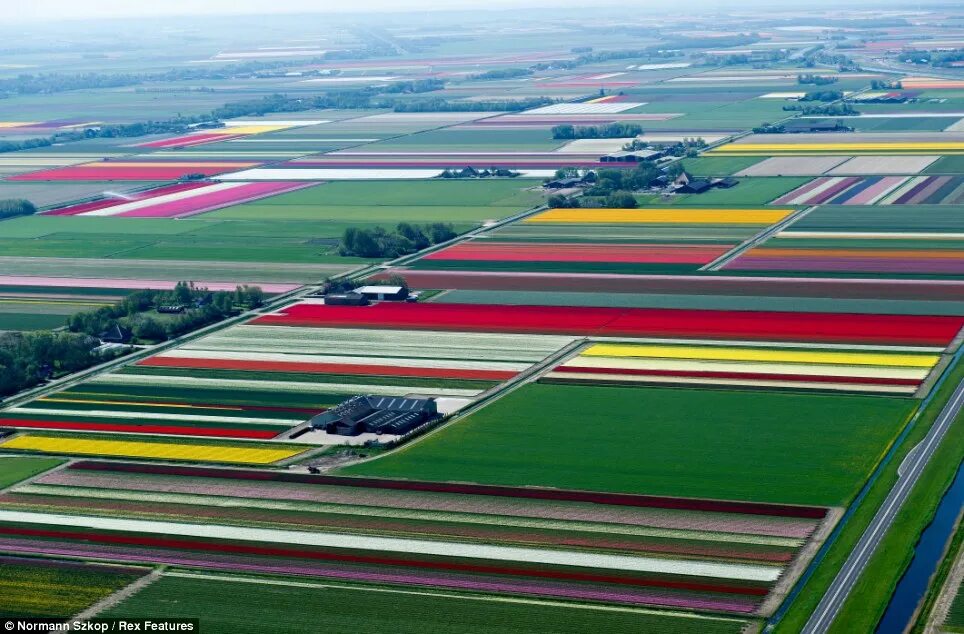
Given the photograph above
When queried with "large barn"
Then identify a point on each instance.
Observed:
(376, 415)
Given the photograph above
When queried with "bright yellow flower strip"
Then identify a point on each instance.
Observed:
(677, 216)
(138, 449)
(839, 147)
(247, 129)
(16, 124)
(763, 354)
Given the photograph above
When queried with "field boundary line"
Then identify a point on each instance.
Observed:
(825, 548)
(451, 595)
(62, 465)
(117, 597)
(755, 240)
(494, 394)
(856, 563)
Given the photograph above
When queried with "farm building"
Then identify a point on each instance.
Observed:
(116, 334)
(564, 183)
(376, 415)
(631, 156)
(382, 293)
(346, 299)
(695, 186)
(802, 126)
(726, 182)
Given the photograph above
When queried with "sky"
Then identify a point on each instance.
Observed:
(35, 10)
(55, 10)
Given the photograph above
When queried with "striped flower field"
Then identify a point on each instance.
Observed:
(256, 382)
(133, 171)
(841, 148)
(152, 450)
(658, 240)
(629, 549)
(870, 241)
(877, 190)
(178, 201)
(932, 332)
(888, 371)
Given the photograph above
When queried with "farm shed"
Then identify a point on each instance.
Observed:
(382, 293)
(634, 156)
(376, 415)
(695, 186)
(346, 299)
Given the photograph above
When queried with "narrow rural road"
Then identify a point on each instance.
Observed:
(910, 473)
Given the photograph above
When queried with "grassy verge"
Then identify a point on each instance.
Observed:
(15, 469)
(940, 579)
(815, 587)
(870, 596)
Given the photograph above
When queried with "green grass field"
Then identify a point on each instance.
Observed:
(869, 598)
(946, 165)
(13, 469)
(298, 227)
(254, 606)
(31, 320)
(719, 165)
(744, 445)
(56, 589)
(750, 191)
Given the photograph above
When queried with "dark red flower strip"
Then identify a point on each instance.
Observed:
(663, 322)
(595, 541)
(760, 376)
(275, 551)
(941, 290)
(560, 252)
(174, 430)
(327, 368)
(617, 499)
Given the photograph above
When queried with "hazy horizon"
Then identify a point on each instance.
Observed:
(61, 10)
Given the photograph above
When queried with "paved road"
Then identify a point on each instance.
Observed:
(910, 473)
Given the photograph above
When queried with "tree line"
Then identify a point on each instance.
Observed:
(609, 131)
(137, 312)
(14, 207)
(406, 238)
(28, 358)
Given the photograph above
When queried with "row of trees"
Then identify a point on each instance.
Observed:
(501, 73)
(16, 207)
(832, 109)
(27, 358)
(816, 80)
(438, 104)
(137, 311)
(608, 131)
(406, 238)
(822, 95)
(471, 172)
(347, 99)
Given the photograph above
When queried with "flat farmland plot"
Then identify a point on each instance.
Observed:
(13, 469)
(256, 382)
(641, 440)
(57, 589)
(651, 240)
(634, 550)
(895, 240)
(149, 447)
(839, 370)
(133, 171)
(276, 606)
